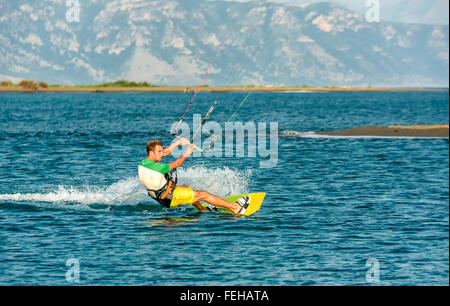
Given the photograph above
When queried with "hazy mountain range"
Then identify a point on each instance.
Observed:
(405, 11)
(175, 42)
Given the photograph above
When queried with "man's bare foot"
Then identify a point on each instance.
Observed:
(236, 208)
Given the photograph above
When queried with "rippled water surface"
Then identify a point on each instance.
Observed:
(69, 189)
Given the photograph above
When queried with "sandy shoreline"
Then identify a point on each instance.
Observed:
(394, 131)
(213, 89)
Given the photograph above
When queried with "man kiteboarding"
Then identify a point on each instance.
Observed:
(160, 183)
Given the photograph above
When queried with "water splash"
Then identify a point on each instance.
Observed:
(126, 191)
(220, 181)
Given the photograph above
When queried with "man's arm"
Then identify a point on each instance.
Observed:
(180, 142)
(182, 158)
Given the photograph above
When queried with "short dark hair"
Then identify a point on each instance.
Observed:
(151, 145)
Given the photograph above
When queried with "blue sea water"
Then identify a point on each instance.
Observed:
(334, 206)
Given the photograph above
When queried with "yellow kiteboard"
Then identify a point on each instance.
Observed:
(255, 203)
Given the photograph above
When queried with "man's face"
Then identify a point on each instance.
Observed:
(157, 154)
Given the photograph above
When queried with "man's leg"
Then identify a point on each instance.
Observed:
(200, 206)
(215, 200)
(209, 198)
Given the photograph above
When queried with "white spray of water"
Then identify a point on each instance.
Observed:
(220, 181)
(129, 191)
(126, 191)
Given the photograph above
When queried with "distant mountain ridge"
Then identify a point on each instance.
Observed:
(402, 11)
(172, 42)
